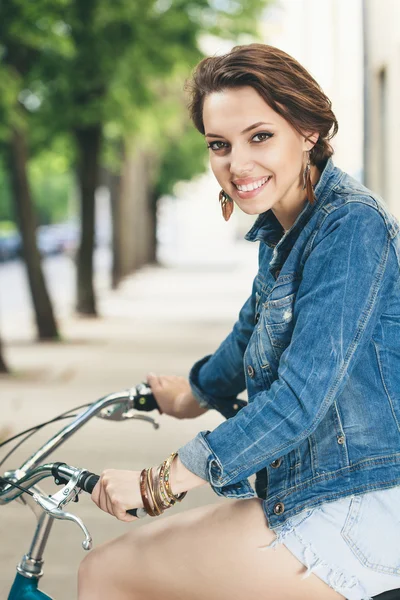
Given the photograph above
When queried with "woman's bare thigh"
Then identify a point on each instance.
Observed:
(212, 553)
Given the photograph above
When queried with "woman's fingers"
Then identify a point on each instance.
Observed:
(118, 491)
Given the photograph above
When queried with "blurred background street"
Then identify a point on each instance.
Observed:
(159, 320)
(114, 257)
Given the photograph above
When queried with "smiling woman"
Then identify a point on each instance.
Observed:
(316, 346)
(256, 92)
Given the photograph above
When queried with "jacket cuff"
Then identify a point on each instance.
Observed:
(198, 457)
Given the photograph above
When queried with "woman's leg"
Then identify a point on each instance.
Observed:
(209, 553)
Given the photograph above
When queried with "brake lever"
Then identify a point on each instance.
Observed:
(122, 411)
(52, 505)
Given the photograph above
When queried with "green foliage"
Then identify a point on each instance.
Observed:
(69, 64)
(51, 180)
(52, 183)
(6, 213)
(183, 158)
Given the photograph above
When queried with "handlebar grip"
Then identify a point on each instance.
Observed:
(87, 482)
(145, 402)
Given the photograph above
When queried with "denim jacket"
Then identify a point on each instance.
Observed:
(317, 345)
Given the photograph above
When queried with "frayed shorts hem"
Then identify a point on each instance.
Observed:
(330, 539)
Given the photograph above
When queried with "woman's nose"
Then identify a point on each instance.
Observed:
(241, 164)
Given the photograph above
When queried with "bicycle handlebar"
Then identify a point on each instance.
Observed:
(88, 480)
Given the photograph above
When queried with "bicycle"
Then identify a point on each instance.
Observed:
(18, 484)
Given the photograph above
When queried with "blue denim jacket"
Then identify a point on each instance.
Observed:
(317, 345)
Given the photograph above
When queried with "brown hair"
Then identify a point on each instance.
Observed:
(285, 85)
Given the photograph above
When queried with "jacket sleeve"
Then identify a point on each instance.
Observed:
(218, 378)
(346, 278)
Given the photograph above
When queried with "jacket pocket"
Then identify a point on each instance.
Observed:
(372, 530)
(279, 322)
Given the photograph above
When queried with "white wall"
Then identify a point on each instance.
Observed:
(383, 118)
(325, 36)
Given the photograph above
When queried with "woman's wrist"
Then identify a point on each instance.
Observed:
(183, 480)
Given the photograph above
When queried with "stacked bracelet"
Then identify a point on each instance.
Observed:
(155, 489)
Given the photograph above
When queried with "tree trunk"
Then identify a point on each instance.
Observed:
(89, 143)
(152, 237)
(17, 160)
(3, 365)
(133, 214)
(114, 183)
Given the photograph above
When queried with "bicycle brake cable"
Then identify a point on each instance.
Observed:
(2, 479)
(33, 430)
(30, 433)
(63, 415)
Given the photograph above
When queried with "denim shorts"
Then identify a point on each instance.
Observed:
(353, 544)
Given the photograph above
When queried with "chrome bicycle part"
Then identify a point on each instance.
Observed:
(60, 437)
(122, 411)
(50, 507)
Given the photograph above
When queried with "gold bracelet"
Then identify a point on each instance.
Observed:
(143, 493)
(168, 502)
(157, 491)
(159, 488)
(168, 464)
(156, 508)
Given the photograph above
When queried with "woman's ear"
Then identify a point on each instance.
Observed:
(310, 139)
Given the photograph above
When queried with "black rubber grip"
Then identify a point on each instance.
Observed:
(228, 408)
(145, 402)
(87, 482)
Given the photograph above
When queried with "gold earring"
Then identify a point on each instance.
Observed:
(306, 172)
(307, 184)
(226, 205)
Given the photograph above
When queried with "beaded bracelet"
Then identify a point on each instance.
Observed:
(168, 464)
(160, 496)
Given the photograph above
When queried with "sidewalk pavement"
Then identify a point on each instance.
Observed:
(160, 320)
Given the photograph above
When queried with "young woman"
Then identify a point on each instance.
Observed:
(317, 347)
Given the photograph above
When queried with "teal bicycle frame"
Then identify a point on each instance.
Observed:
(26, 589)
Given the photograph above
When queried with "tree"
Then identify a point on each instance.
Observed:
(119, 50)
(86, 68)
(17, 162)
(3, 364)
(20, 50)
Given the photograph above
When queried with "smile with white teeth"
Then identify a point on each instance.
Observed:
(252, 186)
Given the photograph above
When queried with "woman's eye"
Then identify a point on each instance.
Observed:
(262, 137)
(217, 145)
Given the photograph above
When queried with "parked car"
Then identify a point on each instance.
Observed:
(57, 238)
(10, 245)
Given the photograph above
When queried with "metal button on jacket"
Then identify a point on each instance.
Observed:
(279, 508)
(276, 463)
(250, 371)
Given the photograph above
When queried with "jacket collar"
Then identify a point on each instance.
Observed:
(267, 227)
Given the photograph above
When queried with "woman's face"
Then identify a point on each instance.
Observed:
(255, 154)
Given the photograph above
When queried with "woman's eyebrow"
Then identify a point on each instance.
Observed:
(244, 130)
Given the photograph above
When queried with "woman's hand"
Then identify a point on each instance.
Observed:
(174, 396)
(118, 491)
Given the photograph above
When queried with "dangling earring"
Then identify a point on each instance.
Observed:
(307, 181)
(306, 171)
(226, 205)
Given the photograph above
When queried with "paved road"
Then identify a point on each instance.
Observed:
(160, 320)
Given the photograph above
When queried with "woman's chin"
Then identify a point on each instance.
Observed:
(254, 209)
